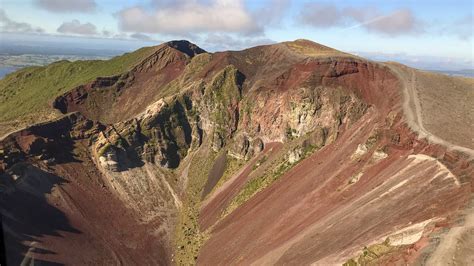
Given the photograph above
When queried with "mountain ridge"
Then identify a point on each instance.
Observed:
(236, 157)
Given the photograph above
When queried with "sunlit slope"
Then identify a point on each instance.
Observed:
(26, 93)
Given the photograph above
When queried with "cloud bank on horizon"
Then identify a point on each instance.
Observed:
(236, 24)
(75, 27)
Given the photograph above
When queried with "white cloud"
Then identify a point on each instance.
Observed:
(140, 36)
(398, 22)
(320, 15)
(75, 27)
(464, 27)
(60, 6)
(272, 12)
(461, 27)
(9, 25)
(106, 33)
(187, 17)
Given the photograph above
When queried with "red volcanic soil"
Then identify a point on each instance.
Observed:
(82, 216)
(213, 206)
(314, 214)
(60, 210)
(114, 99)
(215, 174)
(65, 198)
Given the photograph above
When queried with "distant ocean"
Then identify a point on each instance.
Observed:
(6, 70)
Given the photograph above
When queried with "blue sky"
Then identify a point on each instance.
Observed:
(434, 31)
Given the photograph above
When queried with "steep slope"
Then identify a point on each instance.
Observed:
(434, 99)
(121, 97)
(25, 95)
(293, 153)
(343, 198)
(56, 201)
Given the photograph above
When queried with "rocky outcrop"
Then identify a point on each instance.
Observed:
(114, 99)
(344, 196)
(220, 105)
(47, 140)
(162, 134)
(243, 148)
(137, 148)
(108, 159)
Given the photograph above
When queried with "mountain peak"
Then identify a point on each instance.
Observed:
(311, 48)
(186, 47)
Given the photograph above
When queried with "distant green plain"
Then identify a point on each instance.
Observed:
(29, 91)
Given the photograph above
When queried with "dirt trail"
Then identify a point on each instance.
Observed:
(457, 246)
(413, 110)
(10, 132)
(309, 216)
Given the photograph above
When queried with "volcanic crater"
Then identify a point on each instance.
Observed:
(292, 153)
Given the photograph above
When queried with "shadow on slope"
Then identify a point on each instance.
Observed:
(23, 207)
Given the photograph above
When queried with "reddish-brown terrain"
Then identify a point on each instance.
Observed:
(293, 153)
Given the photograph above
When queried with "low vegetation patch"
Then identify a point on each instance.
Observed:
(370, 255)
(188, 236)
(255, 185)
(28, 92)
(104, 149)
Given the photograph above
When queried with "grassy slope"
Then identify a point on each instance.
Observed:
(272, 173)
(313, 49)
(188, 236)
(27, 92)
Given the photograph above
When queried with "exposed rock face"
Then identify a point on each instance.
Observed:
(295, 155)
(328, 126)
(241, 148)
(350, 195)
(108, 160)
(220, 105)
(113, 99)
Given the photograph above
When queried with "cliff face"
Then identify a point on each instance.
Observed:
(290, 153)
(113, 99)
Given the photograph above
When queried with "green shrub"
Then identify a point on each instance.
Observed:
(104, 149)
